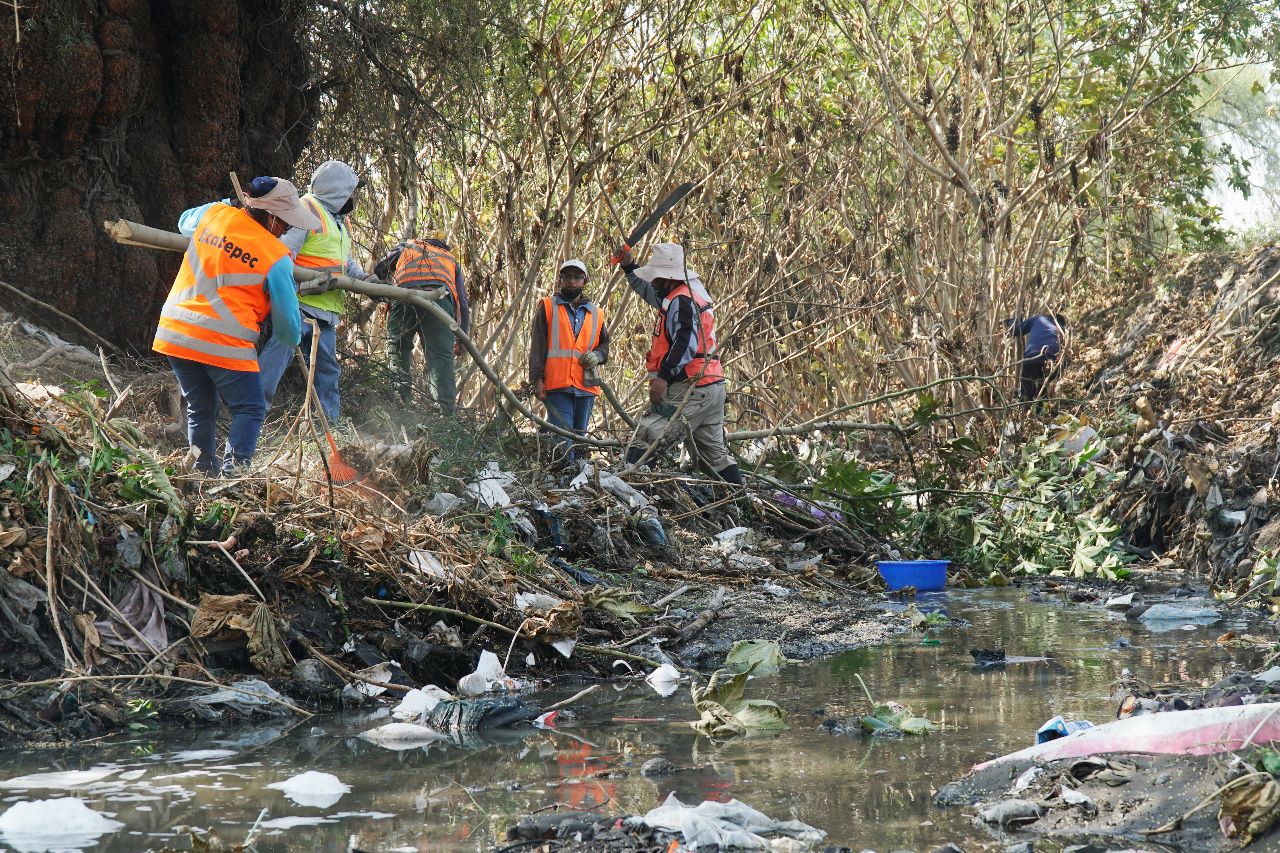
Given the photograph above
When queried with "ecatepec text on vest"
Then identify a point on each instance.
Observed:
(218, 241)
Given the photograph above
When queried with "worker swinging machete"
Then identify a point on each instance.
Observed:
(637, 234)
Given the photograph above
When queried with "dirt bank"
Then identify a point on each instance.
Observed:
(153, 587)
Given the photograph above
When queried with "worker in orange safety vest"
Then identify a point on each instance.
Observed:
(235, 273)
(686, 379)
(568, 341)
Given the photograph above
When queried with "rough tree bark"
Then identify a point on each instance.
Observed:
(133, 109)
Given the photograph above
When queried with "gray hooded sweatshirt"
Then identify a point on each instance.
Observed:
(332, 184)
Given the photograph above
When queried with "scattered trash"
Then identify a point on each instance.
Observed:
(417, 703)
(1072, 797)
(441, 503)
(1179, 613)
(469, 715)
(63, 823)
(488, 487)
(988, 657)
(664, 680)
(711, 825)
(428, 564)
(489, 675)
(1160, 618)
(313, 789)
(537, 601)
(1027, 779)
(248, 697)
(819, 512)
(650, 528)
(1123, 602)
(1057, 727)
(400, 736)
(1011, 813)
(1205, 731)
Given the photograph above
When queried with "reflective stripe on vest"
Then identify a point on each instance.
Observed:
(424, 265)
(218, 301)
(705, 364)
(325, 250)
(563, 369)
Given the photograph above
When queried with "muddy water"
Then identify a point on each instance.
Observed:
(866, 793)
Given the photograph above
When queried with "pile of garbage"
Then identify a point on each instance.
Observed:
(673, 826)
(1191, 769)
(133, 589)
(1193, 368)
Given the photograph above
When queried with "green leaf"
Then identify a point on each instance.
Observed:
(760, 657)
(724, 713)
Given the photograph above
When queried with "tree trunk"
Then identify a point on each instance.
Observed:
(138, 110)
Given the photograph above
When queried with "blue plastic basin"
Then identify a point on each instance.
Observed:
(924, 575)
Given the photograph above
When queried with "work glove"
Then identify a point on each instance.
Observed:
(317, 285)
(372, 278)
(589, 359)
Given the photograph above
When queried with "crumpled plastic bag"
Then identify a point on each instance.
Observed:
(488, 488)
(144, 609)
(734, 824)
(250, 696)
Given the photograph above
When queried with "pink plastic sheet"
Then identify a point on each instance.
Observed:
(1202, 732)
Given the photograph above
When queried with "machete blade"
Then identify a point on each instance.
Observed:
(658, 212)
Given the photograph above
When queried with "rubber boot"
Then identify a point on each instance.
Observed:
(730, 474)
(634, 454)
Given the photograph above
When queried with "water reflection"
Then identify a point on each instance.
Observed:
(865, 792)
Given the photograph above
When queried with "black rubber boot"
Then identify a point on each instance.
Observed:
(633, 455)
(731, 474)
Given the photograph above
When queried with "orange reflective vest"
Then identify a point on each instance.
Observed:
(219, 299)
(564, 347)
(423, 265)
(704, 368)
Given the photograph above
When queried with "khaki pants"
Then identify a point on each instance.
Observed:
(700, 424)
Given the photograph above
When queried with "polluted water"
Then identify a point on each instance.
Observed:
(324, 787)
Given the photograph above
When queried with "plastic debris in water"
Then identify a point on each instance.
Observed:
(58, 824)
(313, 789)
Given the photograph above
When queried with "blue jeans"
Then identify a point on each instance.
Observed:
(202, 385)
(275, 357)
(570, 411)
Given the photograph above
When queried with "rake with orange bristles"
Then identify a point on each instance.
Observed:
(340, 473)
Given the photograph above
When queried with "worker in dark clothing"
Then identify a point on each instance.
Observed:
(426, 263)
(1042, 353)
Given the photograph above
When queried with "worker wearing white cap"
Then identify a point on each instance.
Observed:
(568, 341)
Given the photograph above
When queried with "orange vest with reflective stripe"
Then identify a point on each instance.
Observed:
(424, 265)
(564, 347)
(219, 299)
(705, 360)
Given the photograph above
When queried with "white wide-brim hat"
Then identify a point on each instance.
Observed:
(283, 201)
(666, 261)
